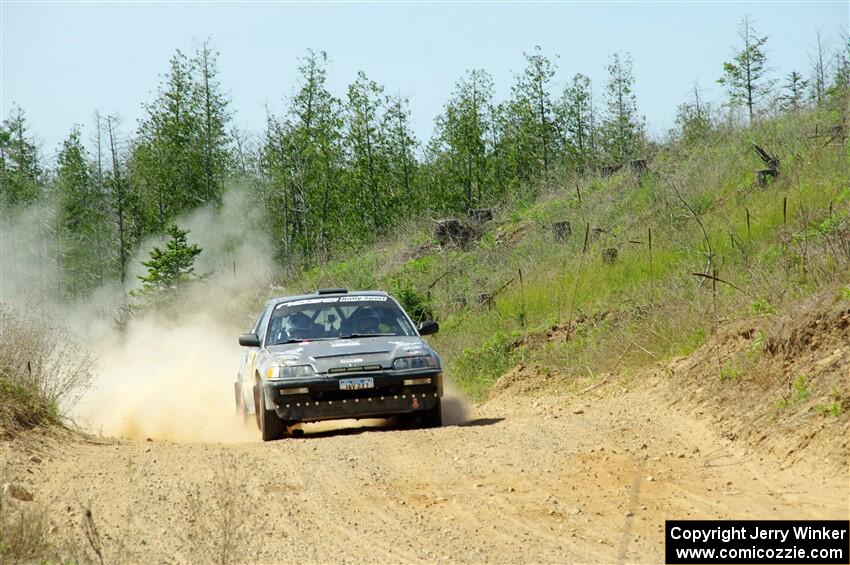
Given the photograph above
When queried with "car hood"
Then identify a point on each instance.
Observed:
(353, 354)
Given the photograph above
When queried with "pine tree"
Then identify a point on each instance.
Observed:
(82, 216)
(575, 117)
(169, 267)
(533, 107)
(401, 159)
(211, 106)
(622, 129)
(793, 96)
(20, 169)
(182, 152)
(819, 71)
(839, 90)
(365, 142)
(124, 204)
(745, 76)
(461, 135)
(303, 157)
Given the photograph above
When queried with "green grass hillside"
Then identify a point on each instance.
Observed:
(579, 314)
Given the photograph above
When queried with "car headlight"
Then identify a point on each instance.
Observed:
(293, 372)
(418, 362)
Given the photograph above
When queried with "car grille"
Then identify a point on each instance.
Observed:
(338, 370)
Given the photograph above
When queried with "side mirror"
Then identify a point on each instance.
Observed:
(428, 327)
(249, 340)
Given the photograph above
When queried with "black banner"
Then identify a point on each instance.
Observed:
(822, 542)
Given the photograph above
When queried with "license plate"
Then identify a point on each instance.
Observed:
(356, 384)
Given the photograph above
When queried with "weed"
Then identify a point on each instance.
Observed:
(799, 392)
(833, 408)
(730, 371)
(756, 347)
(762, 306)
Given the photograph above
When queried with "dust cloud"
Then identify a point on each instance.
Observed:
(167, 380)
(169, 373)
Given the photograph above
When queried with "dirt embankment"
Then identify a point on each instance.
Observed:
(532, 475)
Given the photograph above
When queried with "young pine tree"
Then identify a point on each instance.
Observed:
(534, 106)
(576, 123)
(169, 267)
(793, 96)
(693, 118)
(622, 129)
(745, 76)
(401, 159)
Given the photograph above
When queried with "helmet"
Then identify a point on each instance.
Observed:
(299, 325)
(365, 320)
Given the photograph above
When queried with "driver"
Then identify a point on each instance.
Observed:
(300, 326)
(366, 321)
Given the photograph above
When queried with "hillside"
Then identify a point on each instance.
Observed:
(575, 313)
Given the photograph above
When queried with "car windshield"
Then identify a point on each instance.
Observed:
(336, 317)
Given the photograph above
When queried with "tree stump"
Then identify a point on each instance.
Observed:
(764, 177)
(480, 215)
(609, 256)
(453, 232)
(561, 231)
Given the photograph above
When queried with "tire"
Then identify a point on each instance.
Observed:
(433, 417)
(270, 424)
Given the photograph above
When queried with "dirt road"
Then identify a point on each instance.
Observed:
(587, 479)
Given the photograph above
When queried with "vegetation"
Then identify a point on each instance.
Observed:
(42, 369)
(170, 266)
(345, 177)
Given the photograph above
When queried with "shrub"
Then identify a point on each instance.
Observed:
(42, 368)
(418, 305)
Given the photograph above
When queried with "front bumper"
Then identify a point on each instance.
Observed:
(325, 401)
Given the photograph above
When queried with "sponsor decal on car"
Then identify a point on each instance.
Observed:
(331, 300)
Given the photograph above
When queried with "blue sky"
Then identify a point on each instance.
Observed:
(63, 61)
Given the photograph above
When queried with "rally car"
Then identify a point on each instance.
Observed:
(337, 354)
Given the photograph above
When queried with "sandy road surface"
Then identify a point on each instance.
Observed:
(547, 480)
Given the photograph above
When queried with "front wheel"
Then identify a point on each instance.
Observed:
(432, 417)
(270, 424)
